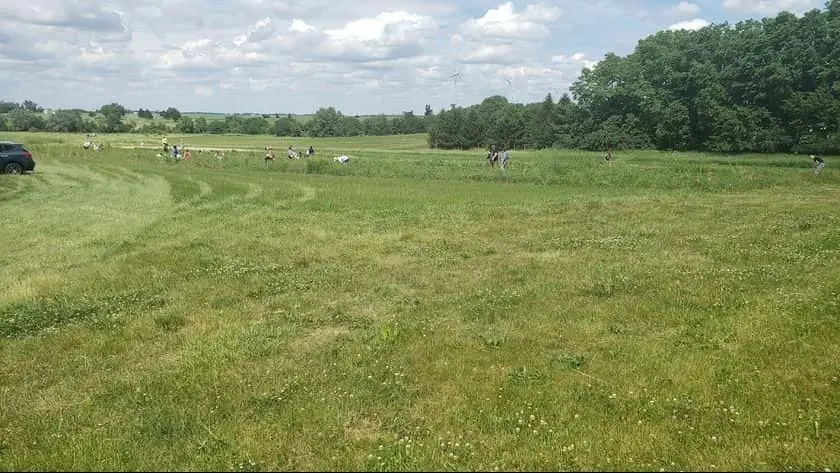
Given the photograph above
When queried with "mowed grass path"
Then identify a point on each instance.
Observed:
(417, 310)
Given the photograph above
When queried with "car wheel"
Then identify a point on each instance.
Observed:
(13, 168)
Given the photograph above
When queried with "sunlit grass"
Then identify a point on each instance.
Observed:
(417, 310)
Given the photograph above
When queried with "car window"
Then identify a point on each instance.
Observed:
(5, 147)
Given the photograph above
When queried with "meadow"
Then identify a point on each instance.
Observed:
(416, 309)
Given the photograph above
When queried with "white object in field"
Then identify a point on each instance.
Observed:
(86, 144)
(343, 159)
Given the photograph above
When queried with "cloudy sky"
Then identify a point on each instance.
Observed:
(294, 56)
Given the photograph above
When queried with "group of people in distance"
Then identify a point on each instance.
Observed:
(88, 144)
(176, 152)
(292, 153)
(494, 157)
(501, 158)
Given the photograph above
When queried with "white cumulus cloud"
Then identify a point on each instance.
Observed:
(690, 25)
(770, 7)
(376, 56)
(505, 22)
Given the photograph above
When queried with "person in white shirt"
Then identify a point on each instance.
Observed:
(819, 163)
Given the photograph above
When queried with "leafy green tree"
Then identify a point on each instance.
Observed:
(22, 119)
(6, 107)
(65, 121)
(31, 106)
(352, 126)
(200, 125)
(326, 122)
(113, 114)
(186, 125)
(171, 113)
(288, 126)
(256, 126)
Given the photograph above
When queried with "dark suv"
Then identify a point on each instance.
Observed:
(14, 158)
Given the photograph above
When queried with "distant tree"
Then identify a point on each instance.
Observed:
(145, 114)
(287, 126)
(22, 119)
(326, 122)
(67, 121)
(218, 127)
(352, 126)
(171, 113)
(31, 106)
(542, 126)
(410, 123)
(200, 125)
(256, 126)
(6, 107)
(186, 125)
(155, 127)
(113, 114)
(378, 125)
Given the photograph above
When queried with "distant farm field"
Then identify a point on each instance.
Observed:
(74, 141)
(416, 309)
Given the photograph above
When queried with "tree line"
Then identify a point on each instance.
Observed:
(769, 85)
(111, 118)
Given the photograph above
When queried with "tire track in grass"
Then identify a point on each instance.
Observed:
(81, 215)
(11, 187)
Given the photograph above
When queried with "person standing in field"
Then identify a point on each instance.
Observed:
(165, 143)
(504, 159)
(608, 157)
(819, 163)
(493, 156)
(269, 155)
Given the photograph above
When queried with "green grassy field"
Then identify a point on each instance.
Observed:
(255, 143)
(417, 310)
